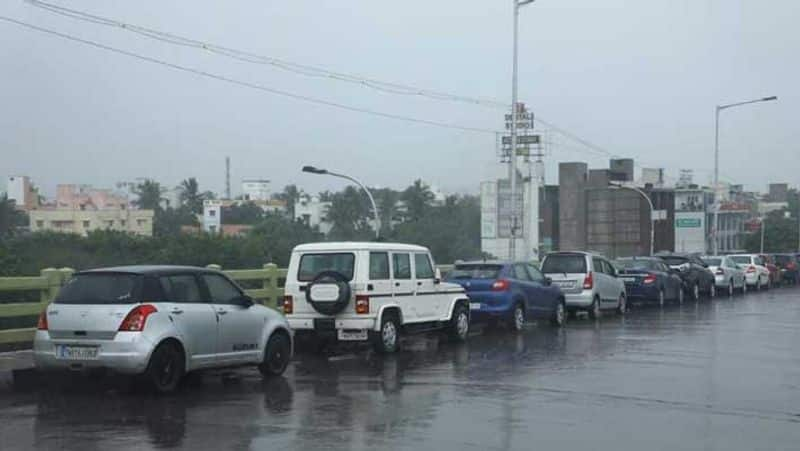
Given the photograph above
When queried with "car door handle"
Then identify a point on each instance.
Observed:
(397, 284)
(176, 311)
(419, 284)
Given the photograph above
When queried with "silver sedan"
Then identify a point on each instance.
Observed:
(728, 276)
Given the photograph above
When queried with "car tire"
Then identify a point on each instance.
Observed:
(622, 305)
(744, 287)
(731, 288)
(662, 297)
(277, 355)
(517, 318)
(387, 340)
(166, 367)
(712, 290)
(594, 309)
(681, 296)
(559, 318)
(696, 292)
(458, 329)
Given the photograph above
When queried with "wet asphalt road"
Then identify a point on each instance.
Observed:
(721, 375)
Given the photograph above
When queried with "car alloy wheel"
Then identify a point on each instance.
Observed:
(389, 335)
(166, 367)
(560, 317)
(622, 305)
(712, 292)
(459, 323)
(661, 298)
(696, 292)
(730, 288)
(594, 310)
(276, 356)
(519, 318)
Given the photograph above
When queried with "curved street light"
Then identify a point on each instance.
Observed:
(319, 171)
(652, 209)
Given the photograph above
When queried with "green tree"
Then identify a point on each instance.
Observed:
(386, 200)
(418, 199)
(780, 234)
(10, 217)
(245, 213)
(150, 194)
(191, 197)
(168, 222)
(349, 215)
(291, 195)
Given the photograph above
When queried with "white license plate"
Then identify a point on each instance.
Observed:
(76, 352)
(628, 279)
(352, 335)
(565, 283)
(474, 305)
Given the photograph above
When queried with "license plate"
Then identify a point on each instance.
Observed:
(565, 283)
(474, 305)
(352, 335)
(628, 279)
(76, 352)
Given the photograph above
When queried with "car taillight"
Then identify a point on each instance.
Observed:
(650, 278)
(136, 319)
(362, 304)
(719, 272)
(588, 281)
(751, 269)
(288, 305)
(42, 324)
(500, 285)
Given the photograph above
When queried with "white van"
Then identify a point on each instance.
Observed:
(370, 291)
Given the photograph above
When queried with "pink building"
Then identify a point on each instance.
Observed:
(77, 197)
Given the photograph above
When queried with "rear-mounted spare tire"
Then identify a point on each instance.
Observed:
(329, 292)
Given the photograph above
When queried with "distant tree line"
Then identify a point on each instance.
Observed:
(450, 228)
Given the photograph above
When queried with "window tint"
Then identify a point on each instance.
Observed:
(741, 259)
(313, 264)
(535, 274)
(608, 268)
(759, 261)
(222, 291)
(712, 261)
(564, 264)
(402, 266)
(101, 288)
(182, 288)
(520, 273)
(378, 265)
(422, 266)
(479, 271)
(598, 264)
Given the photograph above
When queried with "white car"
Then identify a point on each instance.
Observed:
(160, 322)
(728, 275)
(373, 292)
(589, 282)
(755, 270)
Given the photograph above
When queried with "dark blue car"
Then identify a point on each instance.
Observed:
(511, 292)
(649, 279)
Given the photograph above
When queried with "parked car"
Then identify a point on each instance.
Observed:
(649, 279)
(589, 282)
(370, 292)
(161, 322)
(728, 276)
(774, 272)
(755, 270)
(697, 279)
(513, 292)
(789, 266)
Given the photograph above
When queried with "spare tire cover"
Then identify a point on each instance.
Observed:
(329, 292)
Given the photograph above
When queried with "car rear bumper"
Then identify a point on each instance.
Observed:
(751, 278)
(309, 323)
(127, 353)
(579, 300)
(642, 292)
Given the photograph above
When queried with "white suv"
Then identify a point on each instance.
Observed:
(589, 282)
(370, 291)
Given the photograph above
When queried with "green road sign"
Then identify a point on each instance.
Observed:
(688, 222)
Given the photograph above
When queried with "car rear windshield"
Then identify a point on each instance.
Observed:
(313, 264)
(712, 261)
(634, 264)
(675, 261)
(564, 264)
(482, 271)
(741, 259)
(101, 288)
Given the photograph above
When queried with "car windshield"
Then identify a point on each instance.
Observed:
(633, 264)
(712, 261)
(312, 265)
(481, 271)
(100, 288)
(673, 260)
(741, 259)
(564, 264)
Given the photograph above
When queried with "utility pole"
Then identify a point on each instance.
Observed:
(513, 163)
(227, 178)
(763, 226)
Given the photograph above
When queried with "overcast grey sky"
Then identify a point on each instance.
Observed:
(637, 77)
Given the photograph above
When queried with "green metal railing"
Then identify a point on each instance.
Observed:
(265, 285)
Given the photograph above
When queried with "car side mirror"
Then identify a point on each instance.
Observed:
(245, 301)
(437, 278)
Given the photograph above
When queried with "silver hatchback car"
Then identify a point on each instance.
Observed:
(160, 322)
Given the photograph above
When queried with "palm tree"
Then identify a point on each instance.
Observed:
(418, 199)
(291, 195)
(387, 207)
(349, 214)
(191, 197)
(150, 195)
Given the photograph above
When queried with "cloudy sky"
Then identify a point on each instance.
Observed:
(636, 78)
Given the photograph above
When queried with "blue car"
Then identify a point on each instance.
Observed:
(649, 279)
(511, 292)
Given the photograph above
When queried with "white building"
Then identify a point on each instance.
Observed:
(20, 190)
(312, 211)
(496, 219)
(214, 209)
(255, 189)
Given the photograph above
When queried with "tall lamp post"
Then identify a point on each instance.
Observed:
(716, 160)
(652, 210)
(313, 170)
(513, 166)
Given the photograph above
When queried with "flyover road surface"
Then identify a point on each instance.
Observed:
(721, 375)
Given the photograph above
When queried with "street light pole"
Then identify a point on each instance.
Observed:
(763, 225)
(513, 163)
(717, 190)
(313, 170)
(652, 215)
